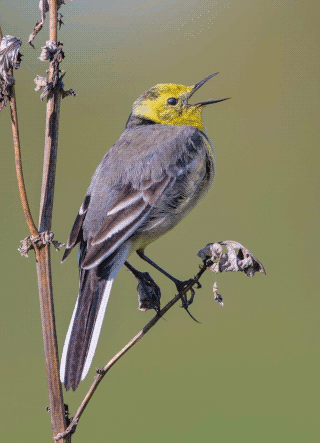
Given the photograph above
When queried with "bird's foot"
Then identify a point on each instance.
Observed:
(181, 285)
(149, 293)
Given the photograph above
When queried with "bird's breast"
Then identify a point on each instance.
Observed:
(192, 182)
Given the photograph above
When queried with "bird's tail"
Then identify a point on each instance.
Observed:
(86, 321)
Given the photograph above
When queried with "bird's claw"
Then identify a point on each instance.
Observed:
(185, 302)
(191, 315)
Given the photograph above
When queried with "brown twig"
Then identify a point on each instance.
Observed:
(17, 157)
(102, 372)
(51, 136)
(56, 404)
(57, 409)
(214, 259)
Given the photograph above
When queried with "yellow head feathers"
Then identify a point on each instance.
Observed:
(167, 104)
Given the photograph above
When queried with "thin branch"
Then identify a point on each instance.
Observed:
(214, 259)
(56, 404)
(102, 372)
(17, 157)
(51, 136)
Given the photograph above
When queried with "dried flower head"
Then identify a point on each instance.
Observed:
(243, 260)
(10, 58)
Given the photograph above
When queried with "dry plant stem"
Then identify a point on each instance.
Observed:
(50, 160)
(17, 159)
(44, 279)
(56, 404)
(18, 163)
(51, 137)
(49, 339)
(102, 372)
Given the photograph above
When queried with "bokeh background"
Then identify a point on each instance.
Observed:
(250, 371)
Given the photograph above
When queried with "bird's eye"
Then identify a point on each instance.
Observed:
(172, 101)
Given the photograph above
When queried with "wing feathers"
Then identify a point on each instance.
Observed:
(118, 221)
(155, 190)
(97, 253)
(76, 231)
(126, 215)
(121, 202)
(125, 202)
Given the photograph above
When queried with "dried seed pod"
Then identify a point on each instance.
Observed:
(10, 58)
(243, 260)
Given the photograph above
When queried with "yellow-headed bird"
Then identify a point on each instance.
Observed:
(157, 171)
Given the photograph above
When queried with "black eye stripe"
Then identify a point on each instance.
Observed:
(172, 101)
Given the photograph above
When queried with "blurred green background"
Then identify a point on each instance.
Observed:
(250, 371)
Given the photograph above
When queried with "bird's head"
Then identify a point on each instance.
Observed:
(167, 104)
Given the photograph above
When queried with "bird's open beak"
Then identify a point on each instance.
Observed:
(198, 85)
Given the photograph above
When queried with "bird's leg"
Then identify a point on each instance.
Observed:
(152, 295)
(180, 285)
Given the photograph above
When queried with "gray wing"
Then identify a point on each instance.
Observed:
(158, 166)
(126, 215)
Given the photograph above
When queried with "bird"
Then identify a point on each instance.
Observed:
(158, 170)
